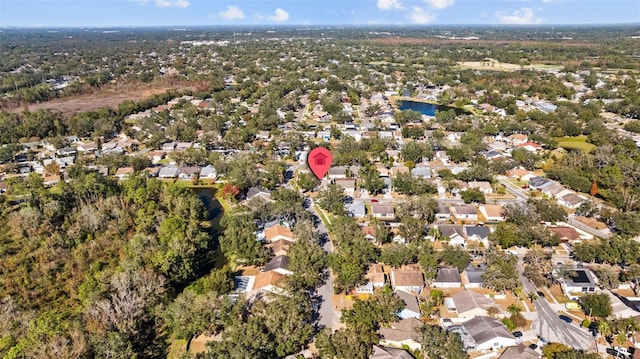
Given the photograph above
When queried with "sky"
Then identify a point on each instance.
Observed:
(98, 13)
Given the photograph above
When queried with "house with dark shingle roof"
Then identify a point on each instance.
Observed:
(447, 277)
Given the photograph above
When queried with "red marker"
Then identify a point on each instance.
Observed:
(319, 160)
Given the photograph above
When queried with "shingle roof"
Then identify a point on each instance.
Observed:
(277, 262)
(380, 352)
(468, 300)
(520, 351)
(483, 329)
(403, 330)
(410, 301)
(448, 275)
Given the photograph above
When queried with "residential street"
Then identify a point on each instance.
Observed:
(549, 326)
(329, 317)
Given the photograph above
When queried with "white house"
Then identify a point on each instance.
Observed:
(407, 278)
(404, 332)
(447, 277)
(465, 212)
(382, 211)
(582, 282)
(571, 200)
(483, 186)
(469, 304)
(492, 212)
(489, 333)
(411, 308)
(348, 184)
(208, 172)
(168, 172)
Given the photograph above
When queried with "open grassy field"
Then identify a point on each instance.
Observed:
(503, 66)
(575, 143)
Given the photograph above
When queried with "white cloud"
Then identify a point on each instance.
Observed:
(523, 16)
(279, 16)
(419, 16)
(389, 4)
(232, 13)
(440, 4)
(172, 3)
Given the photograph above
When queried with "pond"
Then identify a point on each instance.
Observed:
(426, 108)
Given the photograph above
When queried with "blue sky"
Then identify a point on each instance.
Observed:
(314, 12)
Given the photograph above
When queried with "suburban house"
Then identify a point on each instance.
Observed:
(520, 351)
(348, 184)
(382, 211)
(483, 186)
(469, 304)
(531, 146)
(565, 233)
(411, 307)
(277, 233)
(539, 183)
(268, 282)
(571, 200)
(465, 212)
(488, 333)
(189, 172)
(356, 209)
(279, 248)
(447, 277)
(124, 172)
(257, 192)
(555, 190)
(454, 232)
(521, 174)
(443, 212)
(380, 352)
(278, 264)
(337, 173)
(168, 172)
(407, 278)
(208, 172)
(582, 282)
(405, 332)
(375, 279)
(492, 212)
(478, 233)
(473, 274)
(421, 172)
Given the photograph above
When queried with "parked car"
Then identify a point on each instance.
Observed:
(533, 346)
(566, 318)
(517, 334)
(540, 294)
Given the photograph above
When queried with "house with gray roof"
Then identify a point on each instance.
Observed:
(421, 172)
(469, 304)
(356, 209)
(278, 264)
(488, 333)
(404, 332)
(473, 274)
(168, 172)
(411, 308)
(380, 352)
(520, 351)
(539, 183)
(447, 277)
(208, 172)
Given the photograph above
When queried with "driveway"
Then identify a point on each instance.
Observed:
(550, 327)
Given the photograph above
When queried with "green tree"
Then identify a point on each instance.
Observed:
(456, 257)
(597, 305)
(473, 195)
(332, 199)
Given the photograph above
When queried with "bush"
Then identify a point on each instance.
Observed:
(509, 324)
(586, 323)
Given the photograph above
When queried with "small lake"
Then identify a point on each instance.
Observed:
(428, 109)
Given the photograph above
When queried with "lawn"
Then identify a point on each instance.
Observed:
(575, 143)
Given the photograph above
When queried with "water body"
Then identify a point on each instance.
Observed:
(214, 210)
(428, 109)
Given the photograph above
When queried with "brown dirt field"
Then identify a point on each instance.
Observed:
(109, 97)
(592, 222)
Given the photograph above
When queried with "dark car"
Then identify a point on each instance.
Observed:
(566, 319)
(517, 334)
(615, 353)
(533, 346)
(540, 294)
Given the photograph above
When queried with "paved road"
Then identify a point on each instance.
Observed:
(513, 189)
(550, 327)
(329, 317)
